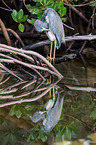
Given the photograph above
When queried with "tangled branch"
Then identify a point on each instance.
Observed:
(46, 66)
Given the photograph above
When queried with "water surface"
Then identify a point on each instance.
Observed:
(66, 109)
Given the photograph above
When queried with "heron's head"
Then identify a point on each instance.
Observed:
(40, 26)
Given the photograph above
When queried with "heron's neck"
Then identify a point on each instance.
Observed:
(50, 35)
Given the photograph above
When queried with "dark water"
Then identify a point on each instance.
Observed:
(62, 112)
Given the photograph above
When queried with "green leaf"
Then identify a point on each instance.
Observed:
(42, 135)
(20, 14)
(48, 2)
(24, 18)
(62, 11)
(93, 5)
(1, 120)
(94, 124)
(60, 3)
(29, 137)
(31, 21)
(64, 19)
(44, 138)
(29, 7)
(30, 107)
(15, 110)
(12, 111)
(34, 136)
(18, 113)
(35, 0)
(21, 27)
(45, 2)
(39, 15)
(14, 15)
(34, 11)
(41, 1)
(93, 114)
(66, 131)
(13, 139)
(5, 140)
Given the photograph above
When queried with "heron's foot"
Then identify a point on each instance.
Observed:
(50, 59)
(48, 81)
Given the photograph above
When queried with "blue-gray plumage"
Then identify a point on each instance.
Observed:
(40, 26)
(52, 24)
(49, 118)
(53, 115)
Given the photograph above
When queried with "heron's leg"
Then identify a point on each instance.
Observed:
(50, 93)
(49, 82)
(51, 51)
(54, 50)
(50, 57)
(53, 94)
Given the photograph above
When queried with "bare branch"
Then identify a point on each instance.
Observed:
(81, 5)
(5, 32)
(25, 53)
(87, 89)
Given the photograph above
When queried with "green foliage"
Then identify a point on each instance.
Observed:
(31, 21)
(65, 132)
(17, 110)
(93, 114)
(78, 110)
(3, 122)
(38, 133)
(93, 5)
(38, 10)
(11, 137)
(94, 124)
(62, 11)
(14, 15)
(19, 17)
(42, 135)
(41, 5)
(8, 138)
(21, 27)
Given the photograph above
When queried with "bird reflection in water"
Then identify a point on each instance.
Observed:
(51, 115)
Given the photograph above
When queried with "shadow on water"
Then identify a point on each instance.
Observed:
(59, 113)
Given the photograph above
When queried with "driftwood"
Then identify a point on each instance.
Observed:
(67, 39)
(83, 37)
(77, 88)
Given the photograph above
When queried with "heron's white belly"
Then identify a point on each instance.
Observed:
(50, 35)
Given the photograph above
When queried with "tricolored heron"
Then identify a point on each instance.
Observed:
(49, 118)
(52, 25)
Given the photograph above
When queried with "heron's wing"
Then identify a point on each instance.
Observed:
(56, 26)
(54, 115)
(38, 116)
